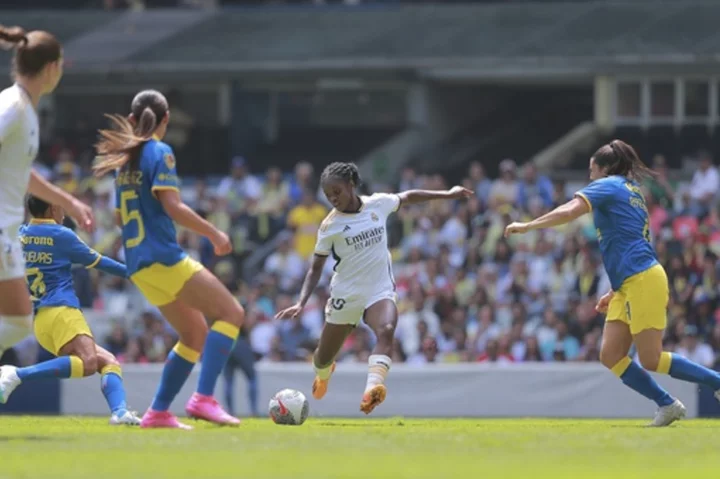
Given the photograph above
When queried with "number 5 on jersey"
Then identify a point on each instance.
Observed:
(128, 215)
(35, 280)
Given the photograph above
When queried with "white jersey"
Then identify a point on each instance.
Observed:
(358, 244)
(19, 143)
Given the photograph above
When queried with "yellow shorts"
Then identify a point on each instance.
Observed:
(642, 301)
(56, 326)
(161, 284)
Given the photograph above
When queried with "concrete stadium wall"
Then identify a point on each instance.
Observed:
(581, 390)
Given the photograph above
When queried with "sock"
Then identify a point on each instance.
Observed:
(323, 372)
(682, 368)
(253, 395)
(63, 367)
(112, 387)
(378, 367)
(177, 368)
(14, 329)
(218, 345)
(229, 376)
(639, 380)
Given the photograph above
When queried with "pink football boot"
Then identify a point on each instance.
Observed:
(161, 419)
(208, 409)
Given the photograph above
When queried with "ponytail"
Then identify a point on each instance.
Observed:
(12, 37)
(122, 145)
(622, 159)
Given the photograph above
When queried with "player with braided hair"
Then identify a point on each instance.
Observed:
(362, 286)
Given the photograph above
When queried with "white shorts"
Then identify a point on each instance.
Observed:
(12, 263)
(351, 311)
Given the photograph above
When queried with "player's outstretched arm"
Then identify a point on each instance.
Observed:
(309, 284)
(561, 215)
(79, 211)
(81, 253)
(412, 197)
(183, 215)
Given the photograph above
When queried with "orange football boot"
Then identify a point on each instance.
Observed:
(320, 386)
(372, 398)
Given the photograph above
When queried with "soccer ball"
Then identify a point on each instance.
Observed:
(289, 408)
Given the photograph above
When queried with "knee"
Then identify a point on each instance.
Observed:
(650, 360)
(195, 337)
(90, 364)
(609, 358)
(233, 313)
(386, 332)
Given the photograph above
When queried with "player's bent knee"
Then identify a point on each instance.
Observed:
(386, 332)
(90, 364)
(233, 313)
(610, 358)
(650, 361)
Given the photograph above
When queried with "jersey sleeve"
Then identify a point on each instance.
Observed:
(164, 175)
(79, 252)
(324, 243)
(387, 203)
(8, 119)
(596, 193)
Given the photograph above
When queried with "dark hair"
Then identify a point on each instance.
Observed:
(347, 172)
(36, 206)
(123, 144)
(33, 50)
(621, 159)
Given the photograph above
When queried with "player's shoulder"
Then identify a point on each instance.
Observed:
(330, 224)
(156, 151)
(11, 101)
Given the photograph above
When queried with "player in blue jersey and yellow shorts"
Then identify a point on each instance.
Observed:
(50, 250)
(636, 306)
(149, 205)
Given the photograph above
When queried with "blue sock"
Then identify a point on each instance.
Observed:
(218, 345)
(177, 368)
(686, 370)
(112, 387)
(639, 380)
(253, 395)
(63, 367)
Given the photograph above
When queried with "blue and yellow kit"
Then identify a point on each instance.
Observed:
(156, 263)
(623, 230)
(50, 250)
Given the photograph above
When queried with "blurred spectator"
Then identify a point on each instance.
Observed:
(305, 221)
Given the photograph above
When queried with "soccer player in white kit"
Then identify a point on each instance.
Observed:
(37, 69)
(362, 287)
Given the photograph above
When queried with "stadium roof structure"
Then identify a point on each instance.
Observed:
(485, 40)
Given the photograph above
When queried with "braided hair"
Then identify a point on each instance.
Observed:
(622, 159)
(347, 172)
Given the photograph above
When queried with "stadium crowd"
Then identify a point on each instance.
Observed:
(464, 292)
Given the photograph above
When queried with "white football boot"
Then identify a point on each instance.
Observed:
(9, 380)
(128, 418)
(667, 415)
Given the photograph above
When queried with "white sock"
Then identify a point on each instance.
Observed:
(323, 373)
(378, 367)
(14, 329)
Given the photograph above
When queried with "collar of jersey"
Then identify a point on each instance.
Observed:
(362, 207)
(42, 221)
(156, 138)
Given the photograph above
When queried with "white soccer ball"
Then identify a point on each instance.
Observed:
(289, 408)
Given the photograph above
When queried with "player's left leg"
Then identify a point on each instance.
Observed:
(205, 293)
(382, 317)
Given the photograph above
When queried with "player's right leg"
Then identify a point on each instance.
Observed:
(331, 341)
(16, 316)
(112, 387)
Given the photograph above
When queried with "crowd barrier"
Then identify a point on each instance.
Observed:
(582, 390)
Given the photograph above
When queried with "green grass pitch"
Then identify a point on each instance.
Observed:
(78, 448)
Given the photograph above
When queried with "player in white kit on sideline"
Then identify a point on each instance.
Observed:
(362, 287)
(37, 69)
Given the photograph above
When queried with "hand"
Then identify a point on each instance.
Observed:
(602, 304)
(290, 313)
(82, 214)
(516, 228)
(459, 192)
(221, 243)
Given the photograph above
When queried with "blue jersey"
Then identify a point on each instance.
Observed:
(50, 250)
(148, 232)
(622, 225)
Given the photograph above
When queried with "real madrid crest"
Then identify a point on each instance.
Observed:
(169, 160)
(374, 216)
